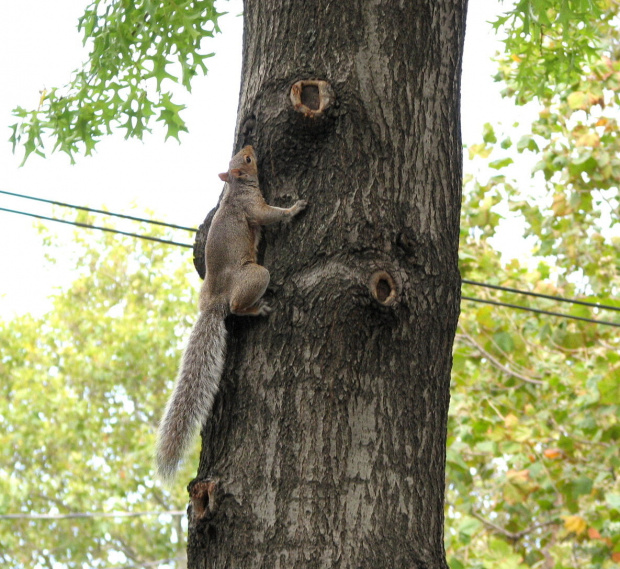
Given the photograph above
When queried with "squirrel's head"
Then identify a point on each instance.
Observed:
(242, 167)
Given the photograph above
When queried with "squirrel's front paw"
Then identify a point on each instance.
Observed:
(300, 205)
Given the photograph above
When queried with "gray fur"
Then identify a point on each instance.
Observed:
(194, 390)
(234, 284)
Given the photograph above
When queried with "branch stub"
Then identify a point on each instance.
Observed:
(312, 97)
(383, 288)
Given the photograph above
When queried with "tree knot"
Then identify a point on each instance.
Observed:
(312, 97)
(383, 288)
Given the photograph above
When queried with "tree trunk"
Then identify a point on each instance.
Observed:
(327, 444)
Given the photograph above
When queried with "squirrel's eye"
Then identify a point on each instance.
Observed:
(248, 159)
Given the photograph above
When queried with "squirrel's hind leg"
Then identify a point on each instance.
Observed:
(251, 282)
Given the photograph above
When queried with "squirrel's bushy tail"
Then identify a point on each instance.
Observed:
(194, 390)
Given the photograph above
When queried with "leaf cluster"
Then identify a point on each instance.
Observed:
(135, 46)
(83, 388)
(548, 43)
(533, 433)
(533, 455)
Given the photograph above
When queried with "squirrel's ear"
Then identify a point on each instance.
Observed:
(223, 176)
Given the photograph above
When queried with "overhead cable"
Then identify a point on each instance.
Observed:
(93, 210)
(465, 281)
(540, 311)
(109, 230)
(540, 295)
(89, 515)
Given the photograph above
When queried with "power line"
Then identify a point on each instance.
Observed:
(493, 302)
(154, 222)
(109, 230)
(89, 515)
(540, 295)
(539, 311)
(174, 226)
(93, 210)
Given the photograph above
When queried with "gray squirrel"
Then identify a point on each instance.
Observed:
(234, 284)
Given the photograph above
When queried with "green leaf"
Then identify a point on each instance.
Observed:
(170, 116)
(527, 142)
(612, 500)
(159, 72)
(506, 143)
(578, 100)
(609, 388)
(468, 527)
(132, 44)
(502, 163)
(488, 134)
(504, 341)
(582, 486)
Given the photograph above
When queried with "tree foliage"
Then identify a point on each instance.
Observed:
(134, 47)
(138, 50)
(548, 42)
(83, 389)
(533, 455)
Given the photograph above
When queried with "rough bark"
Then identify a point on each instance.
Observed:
(327, 445)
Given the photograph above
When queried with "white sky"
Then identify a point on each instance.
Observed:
(40, 46)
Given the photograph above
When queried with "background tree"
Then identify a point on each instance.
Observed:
(533, 457)
(82, 390)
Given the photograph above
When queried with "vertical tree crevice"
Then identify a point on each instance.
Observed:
(328, 436)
